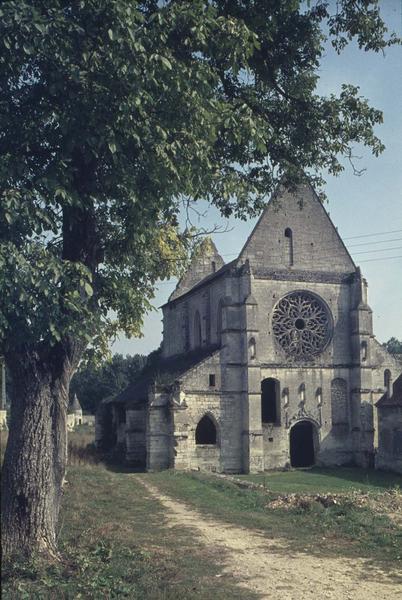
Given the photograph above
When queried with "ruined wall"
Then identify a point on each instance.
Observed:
(199, 398)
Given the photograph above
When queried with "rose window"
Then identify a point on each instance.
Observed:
(302, 325)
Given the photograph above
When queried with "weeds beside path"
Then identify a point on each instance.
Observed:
(116, 544)
(267, 568)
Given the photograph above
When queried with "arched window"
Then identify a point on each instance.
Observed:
(197, 330)
(270, 401)
(339, 401)
(219, 321)
(318, 395)
(205, 432)
(363, 351)
(289, 246)
(302, 392)
(387, 382)
(251, 349)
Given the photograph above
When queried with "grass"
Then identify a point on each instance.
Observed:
(115, 541)
(325, 480)
(346, 527)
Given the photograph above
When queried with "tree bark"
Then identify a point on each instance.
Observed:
(36, 455)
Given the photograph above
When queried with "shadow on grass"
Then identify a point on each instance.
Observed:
(356, 475)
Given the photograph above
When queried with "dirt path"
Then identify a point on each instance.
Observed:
(266, 568)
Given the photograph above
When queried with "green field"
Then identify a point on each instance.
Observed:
(322, 480)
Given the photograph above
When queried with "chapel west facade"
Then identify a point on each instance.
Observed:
(268, 361)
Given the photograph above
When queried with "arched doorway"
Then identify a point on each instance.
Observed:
(302, 452)
(205, 432)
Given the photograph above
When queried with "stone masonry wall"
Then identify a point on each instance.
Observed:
(389, 454)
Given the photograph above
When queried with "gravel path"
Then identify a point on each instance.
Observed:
(266, 568)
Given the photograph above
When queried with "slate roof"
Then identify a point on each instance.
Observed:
(163, 372)
(396, 398)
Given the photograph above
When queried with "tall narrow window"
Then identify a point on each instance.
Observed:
(197, 330)
(251, 349)
(213, 266)
(270, 407)
(219, 321)
(289, 246)
(363, 351)
(387, 382)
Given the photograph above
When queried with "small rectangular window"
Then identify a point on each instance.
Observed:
(212, 380)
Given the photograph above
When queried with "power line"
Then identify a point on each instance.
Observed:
(379, 242)
(305, 244)
(378, 250)
(326, 257)
(382, 258)
(373, 234)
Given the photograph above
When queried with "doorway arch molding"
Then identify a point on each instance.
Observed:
(304, 416)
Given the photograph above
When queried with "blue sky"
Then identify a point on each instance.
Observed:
(358, 206)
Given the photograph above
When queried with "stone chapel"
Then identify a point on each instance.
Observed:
(268, 361)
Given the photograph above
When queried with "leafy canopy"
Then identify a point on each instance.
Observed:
(93, 383)
(393, 345)
(114, 112)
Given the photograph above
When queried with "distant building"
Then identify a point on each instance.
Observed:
(389, 408)
(268, 361)
(75, 416)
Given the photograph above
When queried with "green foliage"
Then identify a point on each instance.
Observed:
(393, 346)
(92, 383)
(114, 111)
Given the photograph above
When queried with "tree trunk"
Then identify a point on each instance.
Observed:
(36, 456)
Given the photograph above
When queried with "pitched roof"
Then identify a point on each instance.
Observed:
(205, 261)
(396, 397)
(74, 404)
(162, 371)
(317, 243)
(226, 267)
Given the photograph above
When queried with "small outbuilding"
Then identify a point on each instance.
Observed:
(389, 412)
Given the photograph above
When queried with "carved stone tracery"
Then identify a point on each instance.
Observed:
(302, 325)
